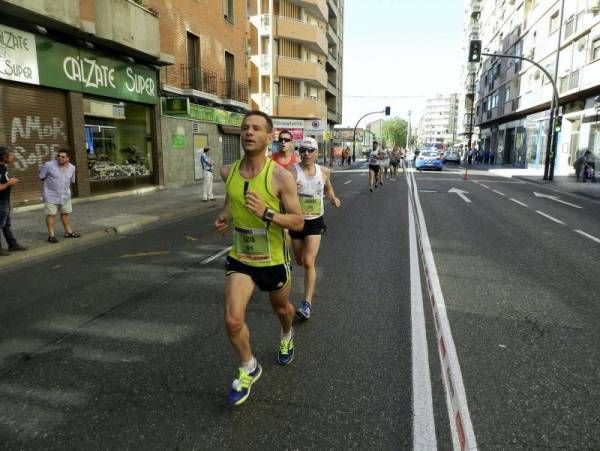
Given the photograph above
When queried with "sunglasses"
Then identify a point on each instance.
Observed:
(285, 140)
(304, 149)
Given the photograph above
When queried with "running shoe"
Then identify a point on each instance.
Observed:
(286, 351)
(304, 310)
(240, 388)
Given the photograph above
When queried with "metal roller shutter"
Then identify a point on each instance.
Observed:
(33, 121)
(231, 148)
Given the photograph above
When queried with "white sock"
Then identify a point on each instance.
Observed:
(250, 365)
(286, 336)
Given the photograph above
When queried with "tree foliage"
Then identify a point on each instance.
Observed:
(394, 132)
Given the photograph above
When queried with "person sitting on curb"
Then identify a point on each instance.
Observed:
(58, 175)
(7, 156)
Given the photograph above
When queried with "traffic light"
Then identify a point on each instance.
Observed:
(387, 110)
(475, 51)
(557, 124)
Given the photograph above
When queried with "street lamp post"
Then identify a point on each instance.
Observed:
(387, 113)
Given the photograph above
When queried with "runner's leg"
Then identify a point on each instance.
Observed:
(238, 291)
(280, 301)
(309, 257)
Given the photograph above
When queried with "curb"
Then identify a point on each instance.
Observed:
(47, 249)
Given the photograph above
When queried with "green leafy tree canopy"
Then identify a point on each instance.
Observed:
(394, 132)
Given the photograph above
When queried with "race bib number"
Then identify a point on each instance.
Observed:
(311, 206)
(251, 245)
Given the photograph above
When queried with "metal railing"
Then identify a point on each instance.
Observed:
(233, 90)
(194, 77)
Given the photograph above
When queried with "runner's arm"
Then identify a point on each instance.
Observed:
(222, 221)
(329, 192)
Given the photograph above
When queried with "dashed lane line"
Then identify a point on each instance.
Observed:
(348, 181)
(213, 257)
(587, 235)
(498, 192)
(558, 221)
(519, 202)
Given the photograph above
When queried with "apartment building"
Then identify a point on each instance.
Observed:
(466, 129)
(439, 122)
(204, 94)
(81, 75)
(296, 54)
(513, 98)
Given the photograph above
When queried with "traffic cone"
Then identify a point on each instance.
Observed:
(466, 176)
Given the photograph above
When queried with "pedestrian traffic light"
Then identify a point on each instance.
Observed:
(475, 51)
(387, 110)
(557, 124)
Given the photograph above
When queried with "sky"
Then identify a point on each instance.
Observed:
(397, 53)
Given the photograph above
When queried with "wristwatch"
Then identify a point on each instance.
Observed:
(268, 215)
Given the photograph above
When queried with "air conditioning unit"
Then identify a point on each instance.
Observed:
(594, 7)
(537, 74)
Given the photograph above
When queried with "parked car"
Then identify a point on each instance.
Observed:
(429, 159)
(451, 156)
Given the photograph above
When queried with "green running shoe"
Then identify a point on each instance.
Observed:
(240, 389)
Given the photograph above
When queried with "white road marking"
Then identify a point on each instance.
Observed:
(215, 256)
(461, 427)
(461, 194)
(518, 202)
(484, 185)
(498, 192)
(424, 437)
(348, 181)
(587, 235)
(558, 221)
(555, 199)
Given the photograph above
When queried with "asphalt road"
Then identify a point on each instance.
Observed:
(122, 345)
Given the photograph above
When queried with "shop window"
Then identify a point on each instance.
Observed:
(120, 148)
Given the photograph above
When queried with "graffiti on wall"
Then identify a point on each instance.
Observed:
(35, 141)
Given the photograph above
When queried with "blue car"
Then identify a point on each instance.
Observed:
(429, 159)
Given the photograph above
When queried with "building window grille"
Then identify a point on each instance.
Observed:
(228, 10)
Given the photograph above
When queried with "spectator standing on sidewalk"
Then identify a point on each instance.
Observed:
(58, 175)
(6, 183)
(207, 183)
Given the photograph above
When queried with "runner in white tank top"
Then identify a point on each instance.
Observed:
(313, 183)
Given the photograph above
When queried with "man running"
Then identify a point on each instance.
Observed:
(395, 161)
(285, 157)
(312, 181)
(258, 192)
(374, 158)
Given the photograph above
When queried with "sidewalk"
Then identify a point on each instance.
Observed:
(100, 217)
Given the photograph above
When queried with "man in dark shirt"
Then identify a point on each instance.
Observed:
(6, 183)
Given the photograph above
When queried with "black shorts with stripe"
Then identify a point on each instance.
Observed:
(266, 278)
(311, 227)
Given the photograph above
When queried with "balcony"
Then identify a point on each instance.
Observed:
(190, 78)
(298, 69)
(128, 24)
(317, 8)
(334, 116)
(332, 88)
(475, 8)
(233, 90)
(309, 35)
(263, 62)
(305, 107)
(64, 11)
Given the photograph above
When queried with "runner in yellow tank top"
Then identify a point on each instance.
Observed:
(258, 194)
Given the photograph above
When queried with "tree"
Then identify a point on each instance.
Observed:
(394, 132)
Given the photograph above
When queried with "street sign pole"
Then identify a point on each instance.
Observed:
(387, 113)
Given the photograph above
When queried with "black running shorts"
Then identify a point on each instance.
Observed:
(266, 278)
(311, 227)
(374, 168)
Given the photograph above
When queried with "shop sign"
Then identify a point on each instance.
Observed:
(208, 114)
(18, 56)
(314, 127)
(178, 141)
(176, 106)
(348, 134)
(65, 67)
(288, 123)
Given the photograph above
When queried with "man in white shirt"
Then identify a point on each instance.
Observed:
(207, 167)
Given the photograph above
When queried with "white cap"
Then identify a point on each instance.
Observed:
(309, 143)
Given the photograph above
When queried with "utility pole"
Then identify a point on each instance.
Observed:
(554, 107)
(387, 113)
(408, 131)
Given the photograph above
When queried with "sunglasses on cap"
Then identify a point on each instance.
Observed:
(306, 149)
(285, 140)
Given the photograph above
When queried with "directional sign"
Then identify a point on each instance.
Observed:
(555, 199)
(460, 194)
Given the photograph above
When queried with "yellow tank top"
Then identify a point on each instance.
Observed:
(255, 242)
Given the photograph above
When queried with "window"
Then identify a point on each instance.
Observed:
(554, 22)
(596, 49)
(192, 72)
(228, 10)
